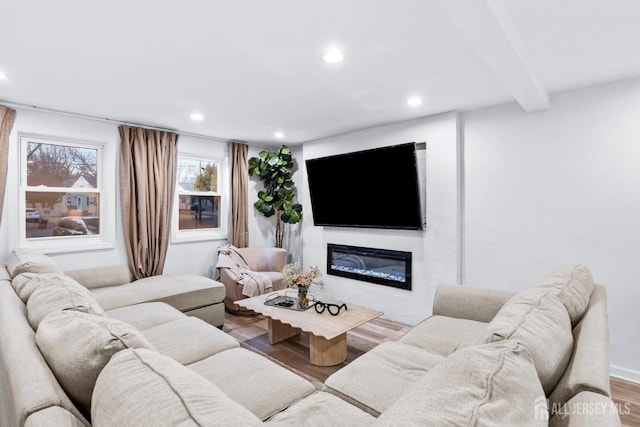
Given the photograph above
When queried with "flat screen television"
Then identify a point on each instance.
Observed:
(376, 188)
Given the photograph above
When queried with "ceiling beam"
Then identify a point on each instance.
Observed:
(489, 30)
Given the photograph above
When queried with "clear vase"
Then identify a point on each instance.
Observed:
(303, 301)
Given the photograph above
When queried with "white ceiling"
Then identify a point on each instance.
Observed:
(253, 67)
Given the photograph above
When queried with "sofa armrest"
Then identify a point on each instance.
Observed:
(586, 409)
(464, 302)
(101, 277)
(588, 368)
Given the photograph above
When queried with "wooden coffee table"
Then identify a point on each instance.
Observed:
(327, 333)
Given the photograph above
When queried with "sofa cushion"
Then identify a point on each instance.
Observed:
(189, 339)
(573, 285)
(377, 378)
(487, 385)
(443, 335)
(139, 387)
(27, 261)
(182, 291)
(253, 381)
(27, 384)
(78, 345)
(57, 295)
(98, 277)
(540, 322)
(146, 315)
(321, 409)
(53, 416)
(466, 302)
(26, 283)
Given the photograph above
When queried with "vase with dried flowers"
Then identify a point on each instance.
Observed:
(294, 275)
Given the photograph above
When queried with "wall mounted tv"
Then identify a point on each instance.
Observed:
(376, 188)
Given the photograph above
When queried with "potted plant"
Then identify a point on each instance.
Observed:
(274, 169)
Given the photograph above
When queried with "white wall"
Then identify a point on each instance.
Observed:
(197, 257)
(555, 187)
(434, 250)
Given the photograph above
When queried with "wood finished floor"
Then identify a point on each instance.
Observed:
(293, 354)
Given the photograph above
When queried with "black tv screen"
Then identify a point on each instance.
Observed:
(377, 188)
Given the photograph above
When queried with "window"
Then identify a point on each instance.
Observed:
(61, 191)
(199, 212)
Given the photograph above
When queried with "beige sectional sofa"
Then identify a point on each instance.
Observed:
(561, 321)
(483, 358)
(55, 339)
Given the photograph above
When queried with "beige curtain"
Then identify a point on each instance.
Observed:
(238, 215)
(148, 163)
(7, 118)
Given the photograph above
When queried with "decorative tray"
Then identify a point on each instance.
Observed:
(286, 301)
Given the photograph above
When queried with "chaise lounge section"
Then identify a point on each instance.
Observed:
(192, 294)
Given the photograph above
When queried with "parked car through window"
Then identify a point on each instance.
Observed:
(77, 225)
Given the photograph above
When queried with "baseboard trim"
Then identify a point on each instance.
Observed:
(625, 374)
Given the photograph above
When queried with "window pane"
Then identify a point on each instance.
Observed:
(197, 212)
(61, 166)
(62, 214)
(197, 175)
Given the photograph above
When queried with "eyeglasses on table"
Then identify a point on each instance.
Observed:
(333, 309)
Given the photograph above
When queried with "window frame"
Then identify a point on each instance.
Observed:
(60, 244)
(202, 234)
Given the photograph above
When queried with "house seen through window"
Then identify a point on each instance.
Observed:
(62, 191)
(199, 199)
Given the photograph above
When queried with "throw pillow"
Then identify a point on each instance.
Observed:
(26, 283)
(141, 387)
(27, 261)
(573, 285)
(78, 345)
(487, 385)
(540, 322)
(58, 295)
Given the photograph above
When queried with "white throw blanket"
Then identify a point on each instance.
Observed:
(253, 283)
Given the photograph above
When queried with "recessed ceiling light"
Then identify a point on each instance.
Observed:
(196, 117)
(3, 76)
(414, 101)
(279, 135)
(333, 56)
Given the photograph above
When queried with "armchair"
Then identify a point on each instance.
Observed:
(269, 261)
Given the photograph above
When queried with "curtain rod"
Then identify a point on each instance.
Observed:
(104, 119)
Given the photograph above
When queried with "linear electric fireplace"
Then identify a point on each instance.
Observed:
(381, 266)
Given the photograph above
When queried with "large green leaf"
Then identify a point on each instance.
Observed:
(292, 218)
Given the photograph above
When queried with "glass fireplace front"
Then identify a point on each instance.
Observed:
(381, 266)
